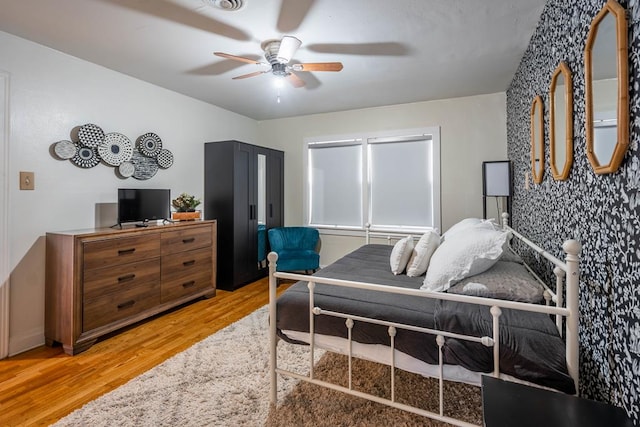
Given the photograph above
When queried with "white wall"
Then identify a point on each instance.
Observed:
(50, 94)
(473, 129)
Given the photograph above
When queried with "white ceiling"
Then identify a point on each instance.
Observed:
(393, 51)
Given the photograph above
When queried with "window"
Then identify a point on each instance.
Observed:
(390, 181)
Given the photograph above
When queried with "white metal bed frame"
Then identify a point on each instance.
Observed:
(568, 270)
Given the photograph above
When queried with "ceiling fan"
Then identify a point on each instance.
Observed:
(279, 53)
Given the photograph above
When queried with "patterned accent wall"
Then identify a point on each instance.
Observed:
(601, 211)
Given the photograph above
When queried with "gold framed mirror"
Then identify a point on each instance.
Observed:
(537, 140)
(561, 122)
(607, 88)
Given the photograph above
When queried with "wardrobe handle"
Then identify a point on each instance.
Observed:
(270, 210)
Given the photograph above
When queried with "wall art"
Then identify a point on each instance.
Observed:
(90, 145)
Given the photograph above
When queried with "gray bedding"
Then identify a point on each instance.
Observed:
(530, 347)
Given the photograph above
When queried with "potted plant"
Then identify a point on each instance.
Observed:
(185, 206)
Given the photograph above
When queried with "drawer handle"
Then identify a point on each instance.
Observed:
(126, 251)
(126, 278)
(189, 240)
(126, 304)
(189, 284)
(188, 263)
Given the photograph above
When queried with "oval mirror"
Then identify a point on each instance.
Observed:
(537, 140)
(561, 122)
(606, 89)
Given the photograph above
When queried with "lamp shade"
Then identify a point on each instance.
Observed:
(496, 178)
(288, 46)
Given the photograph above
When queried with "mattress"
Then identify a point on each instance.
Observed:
(530, 347)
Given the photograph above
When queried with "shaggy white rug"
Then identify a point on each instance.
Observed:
(221, 381)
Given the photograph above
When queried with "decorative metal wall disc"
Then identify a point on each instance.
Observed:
(149, 144)
(145, 167)
(65, 149)
(86, 157)
(165, 158)
(115, 149)
(90, 135)
(126, 169)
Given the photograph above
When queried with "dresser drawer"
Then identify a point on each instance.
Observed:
(185, 273)
(186, 239)
(101, 281)
(136, 297)
(114, 252)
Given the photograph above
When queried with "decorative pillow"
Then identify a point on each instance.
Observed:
(400, 254)
(468, 223)
(463, 255)
(422, 253)
(505, 280)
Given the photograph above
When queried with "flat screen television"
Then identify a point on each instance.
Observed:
(143, 204)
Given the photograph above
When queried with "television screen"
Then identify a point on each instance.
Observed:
(143, 204)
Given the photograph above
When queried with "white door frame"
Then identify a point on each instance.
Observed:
(4, 214)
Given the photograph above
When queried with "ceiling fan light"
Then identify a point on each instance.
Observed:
(288, 46)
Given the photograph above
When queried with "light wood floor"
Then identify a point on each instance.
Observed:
(40, 386)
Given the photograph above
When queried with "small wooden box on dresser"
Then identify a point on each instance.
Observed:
(100, 280)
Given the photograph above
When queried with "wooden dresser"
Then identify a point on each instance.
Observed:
(98, 281)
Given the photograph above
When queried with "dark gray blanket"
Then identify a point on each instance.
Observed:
(530, 347)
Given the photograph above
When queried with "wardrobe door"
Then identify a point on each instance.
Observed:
(219, 204)
(261, 210)
(275, 189)
(245, 220)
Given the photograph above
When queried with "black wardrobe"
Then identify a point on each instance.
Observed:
(244, 192)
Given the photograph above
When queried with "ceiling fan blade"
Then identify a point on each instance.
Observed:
(292, 13)
(288, 46)
(237, 58)
(215, 68)
(246, 76)
(170, 11)
(318, 66)
(376, 49)
(295, 80)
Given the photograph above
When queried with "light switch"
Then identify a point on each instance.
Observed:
(27, 181)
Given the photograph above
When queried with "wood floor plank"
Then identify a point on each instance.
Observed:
(42, 385)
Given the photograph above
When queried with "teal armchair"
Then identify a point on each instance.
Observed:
(296, 248)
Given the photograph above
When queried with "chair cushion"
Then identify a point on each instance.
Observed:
(297, 260)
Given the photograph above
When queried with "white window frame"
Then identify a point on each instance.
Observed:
(364, 138)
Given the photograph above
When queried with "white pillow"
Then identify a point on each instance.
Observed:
(463, 255)
(400, 254)
(468, 223)
(422, 253)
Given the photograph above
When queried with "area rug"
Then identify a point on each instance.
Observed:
(310, 405)
(223, 381)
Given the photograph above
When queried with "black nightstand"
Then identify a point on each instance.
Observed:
(507, 404)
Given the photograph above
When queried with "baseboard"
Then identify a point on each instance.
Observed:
(32, 339)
